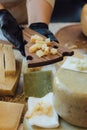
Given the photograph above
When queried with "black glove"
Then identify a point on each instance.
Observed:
(11, 30)
(43, 29)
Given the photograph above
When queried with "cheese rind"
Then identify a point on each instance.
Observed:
(70, 96)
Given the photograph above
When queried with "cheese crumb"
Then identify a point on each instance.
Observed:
(36, 37)
(40, 53)
(34, 48)
(82, 64)
(53, 51)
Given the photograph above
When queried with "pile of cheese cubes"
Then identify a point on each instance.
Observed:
(42, 47)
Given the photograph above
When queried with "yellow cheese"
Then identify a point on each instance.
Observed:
(11, 82)
(10, 66)
(10, 115)
(70, 96)
(2, 72)
(10, 70)
(84, 20)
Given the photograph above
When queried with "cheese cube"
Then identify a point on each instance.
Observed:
(40, 53)
(53, 51)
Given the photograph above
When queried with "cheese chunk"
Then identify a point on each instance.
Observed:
(37, 83)
(10, 70)
(70, 96)
(9, 86)
(10, 65)
(10, 115)
(2, 72)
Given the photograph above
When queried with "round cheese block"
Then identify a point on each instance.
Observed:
(70, 96)
(84, 20)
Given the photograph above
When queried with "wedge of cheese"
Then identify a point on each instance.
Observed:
(10, 115)
(70, 96)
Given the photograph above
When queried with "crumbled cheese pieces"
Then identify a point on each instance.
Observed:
(34, 48)
(41, 112)
(76, 64)
(36, 37)
(82, 64)
(41, 47)
(40, 109)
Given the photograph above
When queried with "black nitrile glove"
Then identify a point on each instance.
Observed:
(43, 29)
(11, 30)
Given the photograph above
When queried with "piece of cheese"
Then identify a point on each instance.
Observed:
(11, 82)
(2, 72)
(10, 70)
(83, 20)
(10, 115)
(41, 112)
(75, 64)
(70, 96)
(37, 83)
(10, 65)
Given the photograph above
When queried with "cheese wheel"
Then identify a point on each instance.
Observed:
(70, 96)
(84, 19)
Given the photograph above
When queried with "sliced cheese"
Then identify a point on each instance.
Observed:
(10, 66)
(10, 115)
(11, 82)
(10, 70)
(2, 72)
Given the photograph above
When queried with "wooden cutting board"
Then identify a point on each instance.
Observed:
(71, 36)
(33, 60)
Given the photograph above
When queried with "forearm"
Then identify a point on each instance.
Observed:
(39, 10)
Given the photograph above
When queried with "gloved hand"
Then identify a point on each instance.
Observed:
(11, 30)
(43, 29)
